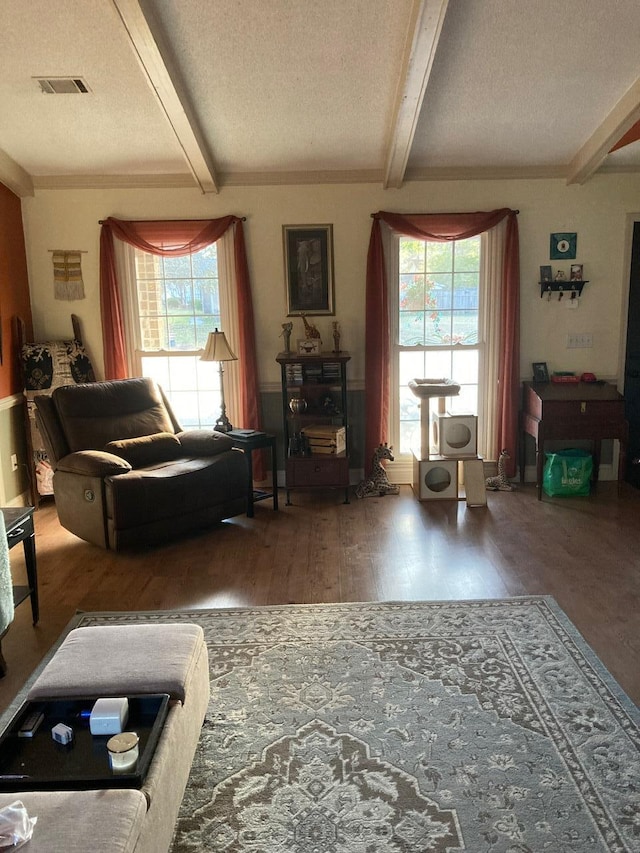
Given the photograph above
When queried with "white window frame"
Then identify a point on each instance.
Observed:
(126, 271)
(488, 346)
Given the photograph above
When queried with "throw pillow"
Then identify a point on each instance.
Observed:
(204, 442)
(147, 449)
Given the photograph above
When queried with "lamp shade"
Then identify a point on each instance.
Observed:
(217, 348)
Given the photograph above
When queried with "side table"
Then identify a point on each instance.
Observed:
(19, 524)
(249, 440)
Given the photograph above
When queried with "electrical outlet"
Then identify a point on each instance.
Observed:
(580, 340)
(14, 461)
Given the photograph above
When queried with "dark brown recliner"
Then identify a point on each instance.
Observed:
(126, 473)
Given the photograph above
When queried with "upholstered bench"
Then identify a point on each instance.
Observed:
(121, 660)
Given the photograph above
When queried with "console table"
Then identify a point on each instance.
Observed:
(581, 410)
(19, 524)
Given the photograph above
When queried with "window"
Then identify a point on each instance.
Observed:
(435, 327)
(175, 305)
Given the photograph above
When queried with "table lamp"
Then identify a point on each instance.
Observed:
(217, 349)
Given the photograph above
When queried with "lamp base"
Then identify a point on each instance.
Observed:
(223, 424)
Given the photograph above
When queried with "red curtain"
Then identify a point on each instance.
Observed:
(174, 238)
(443, 227)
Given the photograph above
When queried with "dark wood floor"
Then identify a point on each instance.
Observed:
(583, 551)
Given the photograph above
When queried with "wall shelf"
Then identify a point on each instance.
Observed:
(564, 287)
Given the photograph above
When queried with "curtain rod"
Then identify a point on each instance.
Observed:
(437, 214)
(102, 221)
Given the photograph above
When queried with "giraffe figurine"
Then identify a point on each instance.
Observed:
(378, 485)
(501, 482)
(310, 330)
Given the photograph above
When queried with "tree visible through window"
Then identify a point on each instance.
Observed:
(178, 304)
(438, 327)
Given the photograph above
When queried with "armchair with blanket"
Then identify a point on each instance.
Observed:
(125, 473)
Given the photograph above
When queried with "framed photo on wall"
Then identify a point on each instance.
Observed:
(308, 269)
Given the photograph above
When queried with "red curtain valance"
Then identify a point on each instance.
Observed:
(442, 227)
(173, 238)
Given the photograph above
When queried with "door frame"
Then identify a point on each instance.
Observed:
(632, 218)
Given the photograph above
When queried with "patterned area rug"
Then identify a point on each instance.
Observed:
(486, 726)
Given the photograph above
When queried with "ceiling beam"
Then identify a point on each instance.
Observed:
(14, 176)
(160, 79)
(427, 18)
(592, 154)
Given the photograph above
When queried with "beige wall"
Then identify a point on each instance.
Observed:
(598, 212)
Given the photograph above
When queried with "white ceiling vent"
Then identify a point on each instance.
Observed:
(63, 85)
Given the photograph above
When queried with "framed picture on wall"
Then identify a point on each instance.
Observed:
(308, 269)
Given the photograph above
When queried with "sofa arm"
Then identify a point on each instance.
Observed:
(204, 442)
(93, 463)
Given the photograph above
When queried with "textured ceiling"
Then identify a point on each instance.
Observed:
(276, 90)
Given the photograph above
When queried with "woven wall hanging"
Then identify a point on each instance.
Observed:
(67, 275)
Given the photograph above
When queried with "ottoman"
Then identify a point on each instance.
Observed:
(120, 660)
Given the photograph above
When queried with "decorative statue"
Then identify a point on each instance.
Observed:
(336, 336)
(286, 334)
(310, 330)
(378, 485)
(500, 483)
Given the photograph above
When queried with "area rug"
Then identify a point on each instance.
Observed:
(486, 726)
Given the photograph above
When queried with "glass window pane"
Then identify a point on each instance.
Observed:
(182, 334)
(153, 333)
(438, 364)
(465, 364)
(466, 289)
(183, 372)
(156, 369)
(412, 292)
(467, 254)
(464, 329)
(205, 263)
(439, 256)
(412, 253)
(179, 267)
(466, 402)
(179, 295)
(151, 297)
(148, 266)
(206, 297)
(208, 375)
(441, 291)
(438, 328)
(411, 330)
(411, 366)
(409, 436)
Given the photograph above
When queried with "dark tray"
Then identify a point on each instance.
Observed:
(39, 763)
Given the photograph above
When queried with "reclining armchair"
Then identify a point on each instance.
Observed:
(126, 474)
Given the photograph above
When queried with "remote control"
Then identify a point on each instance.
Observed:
(30, 724)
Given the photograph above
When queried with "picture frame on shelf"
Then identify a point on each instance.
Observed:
(308, 267)
(309, 346)
(540, 371)
(546, 273)
(576, 272)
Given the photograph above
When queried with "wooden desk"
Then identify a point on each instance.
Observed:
(582, 410)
